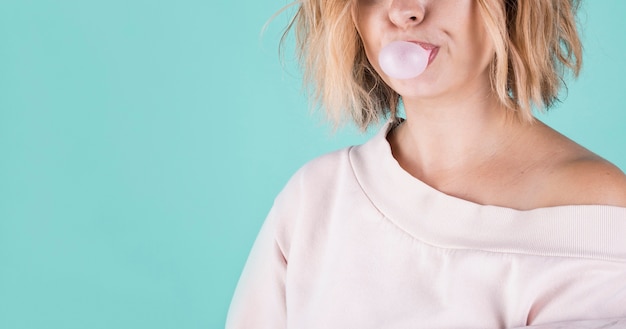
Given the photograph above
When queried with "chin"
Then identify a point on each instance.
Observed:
(416, 90)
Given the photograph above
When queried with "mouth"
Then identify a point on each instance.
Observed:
(434, 50)
(433, 54)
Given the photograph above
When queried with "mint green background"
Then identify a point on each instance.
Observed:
(142, 144)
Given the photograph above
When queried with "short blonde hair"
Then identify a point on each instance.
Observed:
(536, 42)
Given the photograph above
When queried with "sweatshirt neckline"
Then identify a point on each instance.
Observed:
(587, 231)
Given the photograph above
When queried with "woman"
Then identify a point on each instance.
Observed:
(468, 213)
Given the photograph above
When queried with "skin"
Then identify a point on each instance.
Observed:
(457, 137)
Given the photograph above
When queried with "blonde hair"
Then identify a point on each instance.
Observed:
(535, 41)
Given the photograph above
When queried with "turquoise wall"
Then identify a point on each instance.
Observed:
(142, 144)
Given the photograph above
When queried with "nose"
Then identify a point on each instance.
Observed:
(406, 13)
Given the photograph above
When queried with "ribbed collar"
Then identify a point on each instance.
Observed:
(433, 217)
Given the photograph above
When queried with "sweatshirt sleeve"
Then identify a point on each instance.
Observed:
(259, 299)
(616, 323)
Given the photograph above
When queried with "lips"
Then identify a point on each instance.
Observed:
(433, 54)
(434, 50)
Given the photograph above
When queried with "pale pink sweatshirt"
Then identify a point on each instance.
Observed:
(354, 241)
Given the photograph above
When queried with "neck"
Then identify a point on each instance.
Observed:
(447, 138)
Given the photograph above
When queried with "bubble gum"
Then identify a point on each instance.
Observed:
(403, 60)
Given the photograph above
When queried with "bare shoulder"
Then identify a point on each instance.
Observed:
(592, 180)
(578, 176)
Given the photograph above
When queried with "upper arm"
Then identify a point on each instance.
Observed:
(259, 299)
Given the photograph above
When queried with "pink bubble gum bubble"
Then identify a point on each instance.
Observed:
(403, 60)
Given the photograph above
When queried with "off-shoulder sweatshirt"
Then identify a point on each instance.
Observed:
(354, 241)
